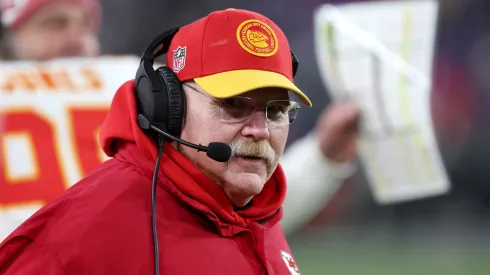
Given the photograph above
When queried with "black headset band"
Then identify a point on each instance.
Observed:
(160, 45)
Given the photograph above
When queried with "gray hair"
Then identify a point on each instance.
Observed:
(257, 149)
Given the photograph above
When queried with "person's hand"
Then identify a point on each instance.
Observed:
(337, 131)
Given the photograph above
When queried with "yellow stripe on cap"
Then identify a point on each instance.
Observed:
(232, 83)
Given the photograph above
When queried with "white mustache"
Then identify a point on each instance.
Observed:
(249, 148)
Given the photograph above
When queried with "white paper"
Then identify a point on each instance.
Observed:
(379, 54)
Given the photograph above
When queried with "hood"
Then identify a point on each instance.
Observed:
(121, 127)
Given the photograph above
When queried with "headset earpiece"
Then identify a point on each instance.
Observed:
(176, 100)
(159, 94)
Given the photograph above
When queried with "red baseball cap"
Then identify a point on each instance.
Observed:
(230, 52)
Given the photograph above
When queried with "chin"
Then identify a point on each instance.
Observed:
(244, 185)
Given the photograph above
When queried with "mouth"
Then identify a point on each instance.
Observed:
(249, 163)
(249, 157)
(250, 160)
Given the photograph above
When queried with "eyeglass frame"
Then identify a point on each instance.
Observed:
(269, 122)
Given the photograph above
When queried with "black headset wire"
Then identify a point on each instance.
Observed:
(161, 143)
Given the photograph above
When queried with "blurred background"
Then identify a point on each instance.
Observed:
(353, 234)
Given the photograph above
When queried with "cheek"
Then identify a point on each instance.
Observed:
(224, 132)
(278, 139)
(197, 129)
(205, 129)
(201, 130)
(37, 46)
(92, 46)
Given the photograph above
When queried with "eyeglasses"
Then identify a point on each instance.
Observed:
(238, 109)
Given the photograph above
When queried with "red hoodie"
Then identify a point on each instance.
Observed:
(102, 225)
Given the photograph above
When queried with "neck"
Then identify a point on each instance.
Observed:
(239, 202)
(244, 207)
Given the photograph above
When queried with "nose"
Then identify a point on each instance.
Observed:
(79, 41)
(74, 45)
(256, 127)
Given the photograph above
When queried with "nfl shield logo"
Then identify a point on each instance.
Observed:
(179, 58)
(290, 263)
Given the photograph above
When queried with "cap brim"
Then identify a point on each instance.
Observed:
(232, 83)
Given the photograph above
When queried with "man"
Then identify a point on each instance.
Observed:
(213, 218)
(46, 29)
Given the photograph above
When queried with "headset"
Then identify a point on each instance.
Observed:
(161, 107)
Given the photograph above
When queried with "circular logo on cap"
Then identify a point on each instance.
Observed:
(257, 38)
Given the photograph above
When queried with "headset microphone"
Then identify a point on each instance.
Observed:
(217, 151)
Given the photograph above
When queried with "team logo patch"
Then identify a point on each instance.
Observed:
(257, 38)
(179, 58)
(290, 263)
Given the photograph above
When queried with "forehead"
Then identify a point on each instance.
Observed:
(61, 9)
(268, 94)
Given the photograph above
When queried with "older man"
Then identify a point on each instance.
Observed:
(46, 29)
(213, 218)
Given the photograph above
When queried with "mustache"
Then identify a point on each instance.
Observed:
(254, 149)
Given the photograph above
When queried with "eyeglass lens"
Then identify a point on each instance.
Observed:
(278, 112)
